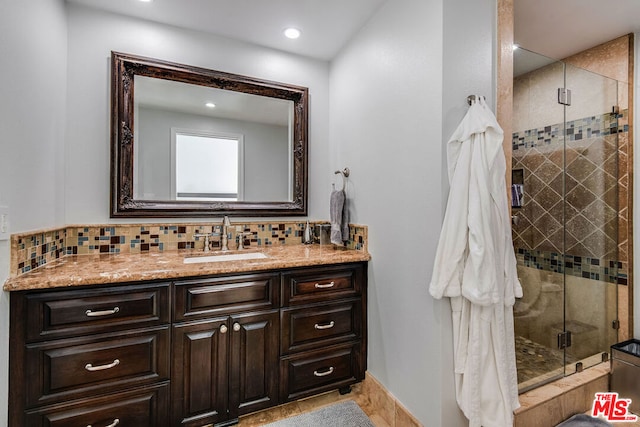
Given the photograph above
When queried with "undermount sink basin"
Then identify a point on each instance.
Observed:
(224, 257)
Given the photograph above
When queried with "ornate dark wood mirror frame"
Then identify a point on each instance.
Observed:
(124, 68)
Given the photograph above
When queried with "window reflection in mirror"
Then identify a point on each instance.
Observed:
(206, 167)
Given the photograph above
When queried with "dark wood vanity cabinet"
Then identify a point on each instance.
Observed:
(96, 356)
(224, 366)
(323, 330)
(193, 352)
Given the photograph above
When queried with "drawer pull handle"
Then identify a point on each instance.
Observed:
(327, 326)
(236, 326)
(323, 374)
(89, 367)
(91, 313)
(115, 422)
(223, 329)
(327, 285)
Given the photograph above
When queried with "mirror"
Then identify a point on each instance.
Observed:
(173, 154)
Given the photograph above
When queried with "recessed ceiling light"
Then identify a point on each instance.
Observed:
(146, 1)
(292, 33)
(210, 105)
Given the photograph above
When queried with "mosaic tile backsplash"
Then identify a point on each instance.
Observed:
(37, 249)
(573, 216)
(33, 250)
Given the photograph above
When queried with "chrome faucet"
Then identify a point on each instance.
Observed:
(224, 239)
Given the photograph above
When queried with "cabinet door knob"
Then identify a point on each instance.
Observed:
(91, 313)
(323, 374)
(223, 329)
(236, 326)
(113, 424)
(89, 367)
(326, 285)
(326, 326)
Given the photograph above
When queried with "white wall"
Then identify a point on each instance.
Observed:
(398, 90)
(92, 37)
(32, 119)
(33, 90)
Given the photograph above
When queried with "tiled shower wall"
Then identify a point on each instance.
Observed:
(36, 249)
(586, 197)
(598, 166)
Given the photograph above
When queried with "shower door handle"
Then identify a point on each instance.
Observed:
(564, 340)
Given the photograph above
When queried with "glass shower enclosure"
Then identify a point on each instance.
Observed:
(565, 190)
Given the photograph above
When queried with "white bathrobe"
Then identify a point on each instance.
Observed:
(475, 266)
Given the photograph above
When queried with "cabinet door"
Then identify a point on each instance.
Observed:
(199, 385)
(253, 361)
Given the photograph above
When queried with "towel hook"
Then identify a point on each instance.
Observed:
(472, 98)
(345, 174)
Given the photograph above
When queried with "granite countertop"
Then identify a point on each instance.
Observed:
(78, 270)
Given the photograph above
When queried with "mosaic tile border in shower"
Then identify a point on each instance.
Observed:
(611, 271)
(587, 127)
(35, 249)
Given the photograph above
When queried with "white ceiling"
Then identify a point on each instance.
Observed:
(554, 28)
(560, 28)
(326, 25)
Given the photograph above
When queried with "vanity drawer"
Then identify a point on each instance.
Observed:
(307, 327)
(59, 314)
(314, 372)
(324, 283)
(205, 298)
(75, 368)
(140, 408)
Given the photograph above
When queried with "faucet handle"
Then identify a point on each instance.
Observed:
(207, 242)
(206, 235)
(241, 235)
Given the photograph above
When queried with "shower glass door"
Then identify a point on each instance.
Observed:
(591, 217)
(564, 204)
(538, 226)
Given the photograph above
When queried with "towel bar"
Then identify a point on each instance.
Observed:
(345, 174)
